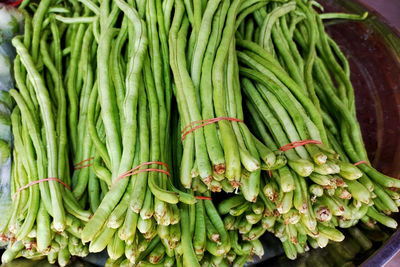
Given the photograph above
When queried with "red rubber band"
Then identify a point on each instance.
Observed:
(143, 170)
(83, 166)
(298, 143)
(270, 173)
(201, 197)
(136, 171)
(77, 167)
(83, 161)
(361, 162)
(40, 181)
(206, 122)
(146, 163)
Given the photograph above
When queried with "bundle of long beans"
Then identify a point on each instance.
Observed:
(297, 84)
(45, 218)
(104, 159)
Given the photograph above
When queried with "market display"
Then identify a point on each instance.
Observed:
(178, 132)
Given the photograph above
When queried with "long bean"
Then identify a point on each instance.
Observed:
(43, 98)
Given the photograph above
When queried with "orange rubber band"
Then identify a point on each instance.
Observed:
(83, 161)
(84, 166)
(299, 143)
(40, 181)
(77, 167)
(144, 164)
(206, 122)
(361, 162)
(136, 171)
(201, 197)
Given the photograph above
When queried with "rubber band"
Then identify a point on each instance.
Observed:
(361, 162)
(206, 122)
(77, 167)
(83, 161)
(136, 171)
(143, 170)
(40, 181)
(84, 166)
(299, 143)
(270, 173)
(204, 198)
(144, 164)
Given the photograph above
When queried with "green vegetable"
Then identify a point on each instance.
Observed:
(146, 110)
